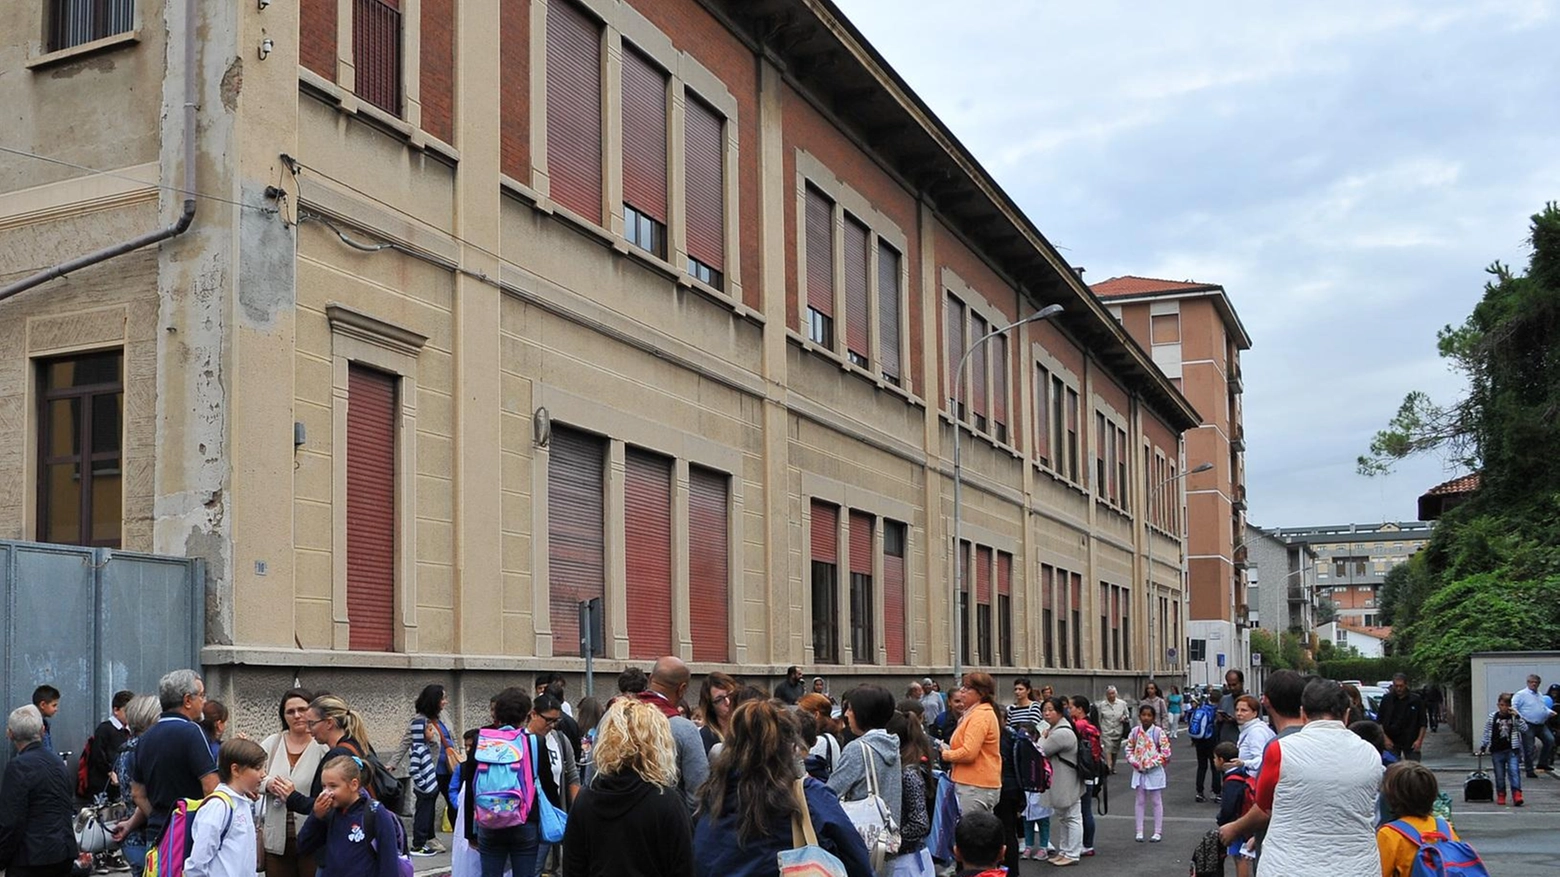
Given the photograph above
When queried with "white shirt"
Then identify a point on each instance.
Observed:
(1530, 705)
(213, 854)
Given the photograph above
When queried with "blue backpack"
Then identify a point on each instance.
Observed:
(1439, 855)
(1200, 725)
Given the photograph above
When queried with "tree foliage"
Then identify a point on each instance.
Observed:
(1490, 577)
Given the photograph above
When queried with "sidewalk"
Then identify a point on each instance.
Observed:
(1513, 841)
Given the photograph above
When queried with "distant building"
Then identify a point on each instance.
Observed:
(1282, 573)
(1352, 560)
(1195, 337)
(1446, 496)
(1370, 642)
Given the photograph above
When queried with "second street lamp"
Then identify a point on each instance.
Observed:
(956, 398)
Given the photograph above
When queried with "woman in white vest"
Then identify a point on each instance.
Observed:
(1320, 786)
(291, 753)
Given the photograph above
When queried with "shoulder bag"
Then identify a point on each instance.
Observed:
(553, 820)
(805, 858)
(871, 816)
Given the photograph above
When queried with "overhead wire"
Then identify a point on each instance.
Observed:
(156, 185)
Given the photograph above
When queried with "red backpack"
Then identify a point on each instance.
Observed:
(82, 791)
(1250, 797)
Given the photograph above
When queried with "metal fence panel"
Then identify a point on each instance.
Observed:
(91, 622)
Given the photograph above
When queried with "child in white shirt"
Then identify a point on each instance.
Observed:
(222, 834)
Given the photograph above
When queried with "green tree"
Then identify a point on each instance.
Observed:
(1490, 577)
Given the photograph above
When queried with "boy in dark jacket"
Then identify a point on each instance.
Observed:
(1239, 793)
(338, 832)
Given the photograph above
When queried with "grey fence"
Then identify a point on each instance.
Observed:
(90, 622)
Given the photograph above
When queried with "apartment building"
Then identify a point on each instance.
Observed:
(1282, 592)
(465, 315)
(1194, 335)
(1353, 559)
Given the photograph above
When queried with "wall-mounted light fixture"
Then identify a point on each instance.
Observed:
(541, 427)
(300, 434)
(266, 45)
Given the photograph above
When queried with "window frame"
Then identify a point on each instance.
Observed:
(53, 42)
(84, 457)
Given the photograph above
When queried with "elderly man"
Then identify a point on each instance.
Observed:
(173, 759)
(1320, 783)
(668, 684)
(932, 702)
(1115, 718)
(36, 839)
(1529, 704)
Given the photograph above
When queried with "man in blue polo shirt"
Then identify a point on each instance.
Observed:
(173, 759)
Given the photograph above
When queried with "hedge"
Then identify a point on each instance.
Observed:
(1370, 670)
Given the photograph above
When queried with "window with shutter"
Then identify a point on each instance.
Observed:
(1047, 616)
(953, 330)
(888, 312)
(709, 565)
(820, 268)
(574, 108)
(74, 22)
(978, 371)
(1004, 609)
(1105, 626)
(1101, 487)
(376, 53)
(647, 549)
(576, 526)
(894, 538)
(704, 148)
(964, 600)
(1063, 620)
(1077, 618)
(825, 583)
(644, 153)
(371, 401)
(863, 644)
(1043, 416)
(857, 314)
(1074, 450)
(999, 388)
(983, 603)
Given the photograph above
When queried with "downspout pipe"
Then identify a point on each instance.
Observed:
(186, 217)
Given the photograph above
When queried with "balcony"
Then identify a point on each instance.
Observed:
(1296, 594)
(1239, 499)
(1238, 438)
(1242, 558)
(1237, 386)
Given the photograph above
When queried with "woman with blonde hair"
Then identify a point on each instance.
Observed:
(630, 820)
(341, 731)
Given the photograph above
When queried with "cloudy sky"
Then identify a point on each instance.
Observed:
(1345, 170)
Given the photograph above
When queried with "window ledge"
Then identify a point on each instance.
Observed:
(1114, 509)
(1059, 478)
(720, 297)
(346, 102)
(49, 59)
(849, 367)
(986, 437)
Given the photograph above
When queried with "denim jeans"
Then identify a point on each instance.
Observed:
(1507, 765)
(1088, 817)
(513, 847)
(423, 818)
(1538, 746)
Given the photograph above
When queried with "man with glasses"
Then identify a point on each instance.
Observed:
(172, 759)
(556, 766)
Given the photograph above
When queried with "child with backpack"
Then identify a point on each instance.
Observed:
(1239, 793)
(1417, 838)
(349, 833)
(222, 833)
(1201, 726)
(1148, 751)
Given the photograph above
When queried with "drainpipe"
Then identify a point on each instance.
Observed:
(152, 237)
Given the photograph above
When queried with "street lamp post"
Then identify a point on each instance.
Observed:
(955, 619)
(1148, 575)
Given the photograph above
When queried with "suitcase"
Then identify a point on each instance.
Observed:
(1478, 786)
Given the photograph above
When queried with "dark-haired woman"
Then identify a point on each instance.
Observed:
(714, 708)
(431, 756)
(293, 753)
(746, 805)
(868, 709)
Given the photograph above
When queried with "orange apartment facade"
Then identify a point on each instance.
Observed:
(1194, 335)
(489, 309)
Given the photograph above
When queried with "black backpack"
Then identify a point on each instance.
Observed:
(1030, 765)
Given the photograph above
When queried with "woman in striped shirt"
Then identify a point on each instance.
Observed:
(1025, 712)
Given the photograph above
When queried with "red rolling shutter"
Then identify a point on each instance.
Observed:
(576, 524)
(705, 149)
(982, 574)
(825, 532)
(1004, 573)
(953, 331)
(376, 52)
(370, 508)
(1042, 415)
(888, 309)
(999, 380)
(644, 135)
(894, 591)
(820, 252)
(978, 367)
(574, 108)
(647, 549)
(857, 314)
(709, 570)
(860, 543)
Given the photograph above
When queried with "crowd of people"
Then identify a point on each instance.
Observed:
(659, 781)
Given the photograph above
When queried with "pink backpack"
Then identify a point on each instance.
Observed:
(503, 786)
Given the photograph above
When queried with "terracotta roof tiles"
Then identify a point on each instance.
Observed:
(1130, 284)
(1464, 484)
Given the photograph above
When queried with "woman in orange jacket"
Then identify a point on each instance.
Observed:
(976, 750)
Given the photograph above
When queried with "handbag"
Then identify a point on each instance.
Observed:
(871, 816)
(92, 836)
(553, 820)
(806, 858)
